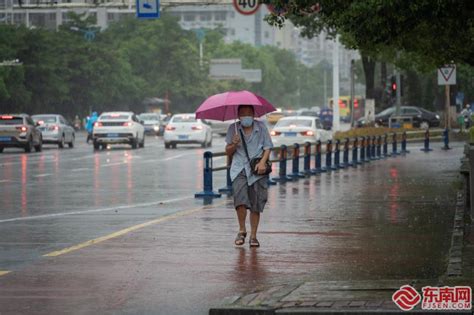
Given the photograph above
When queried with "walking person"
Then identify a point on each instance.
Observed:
(248, 139)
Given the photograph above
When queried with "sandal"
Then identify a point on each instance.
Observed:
(240, 239)
(254, 242)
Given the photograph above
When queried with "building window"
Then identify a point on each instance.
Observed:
(189, 17)
(231, 32)
(266, 34)
(206, 16)
(232, 14)
(220, 16)
(19, 18)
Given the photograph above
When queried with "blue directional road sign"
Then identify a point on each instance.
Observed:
(148, 9)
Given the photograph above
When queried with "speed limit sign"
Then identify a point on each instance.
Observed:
(246, 7)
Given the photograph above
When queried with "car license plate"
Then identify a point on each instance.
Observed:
(290, 134)
(5, 139)
(183, 137)
(112, 135)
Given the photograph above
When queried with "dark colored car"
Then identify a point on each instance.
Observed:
(326, 116)
(422, 118)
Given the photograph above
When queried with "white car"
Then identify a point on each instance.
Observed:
(186, 129)
(299, 129)
(118, 128)
(152, 123)
(55, 129)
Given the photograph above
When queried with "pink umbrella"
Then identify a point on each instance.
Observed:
(224, 106)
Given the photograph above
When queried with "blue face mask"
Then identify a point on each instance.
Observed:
(246, 121)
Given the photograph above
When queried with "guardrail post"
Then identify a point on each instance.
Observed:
(394, 145)
(373, 151)
(354, 152)
(337, 155)
(385, 146)
(362, 151)
(317, 159)
(328, 166)
(296, 162)
(368, 149)
(207, 179)
(446, 139)
(404, 143)
(228, 188)
(426, 148)
(345, 155)
(307, 158)
(282, 177)
(379, 147)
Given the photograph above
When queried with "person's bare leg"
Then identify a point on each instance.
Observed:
(254, 220)
(242, 215)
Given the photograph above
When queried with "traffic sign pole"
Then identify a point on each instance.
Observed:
(447, 123)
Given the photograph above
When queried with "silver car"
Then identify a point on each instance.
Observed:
(19, 131)
(55, 130)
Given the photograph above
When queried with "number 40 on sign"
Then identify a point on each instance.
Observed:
(246, 7)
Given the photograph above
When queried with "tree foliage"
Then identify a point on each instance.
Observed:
(132, 60)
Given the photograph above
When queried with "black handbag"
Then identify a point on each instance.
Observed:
(253, 162)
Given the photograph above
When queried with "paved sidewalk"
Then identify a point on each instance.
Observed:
(375, 296)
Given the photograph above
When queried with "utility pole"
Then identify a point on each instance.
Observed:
(352, 91)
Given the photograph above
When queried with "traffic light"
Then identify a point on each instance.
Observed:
(393, 86)
(356, 103)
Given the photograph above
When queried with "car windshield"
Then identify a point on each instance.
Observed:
(45, 119)
(184, 119)
(294, 123)
(114, 117)
(387, 111)
(9, 120)
(149, 117)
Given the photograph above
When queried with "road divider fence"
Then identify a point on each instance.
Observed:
(364, 150)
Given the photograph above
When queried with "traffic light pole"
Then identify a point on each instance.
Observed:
(399, 96)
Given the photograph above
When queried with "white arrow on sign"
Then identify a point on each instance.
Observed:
(447, 75)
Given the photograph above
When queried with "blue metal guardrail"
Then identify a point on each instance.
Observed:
(364, 150)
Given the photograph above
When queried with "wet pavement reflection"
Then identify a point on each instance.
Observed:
(383, 220)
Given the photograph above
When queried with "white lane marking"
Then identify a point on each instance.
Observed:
(79, 169)
(76, 212)
(43, 175)
(4, 180)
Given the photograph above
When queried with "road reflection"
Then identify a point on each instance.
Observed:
(249, 268)
(394, 195)
(24, 177)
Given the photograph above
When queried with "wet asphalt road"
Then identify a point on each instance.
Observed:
(46, 196)
(384, 220)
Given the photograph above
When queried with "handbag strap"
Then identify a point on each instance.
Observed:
(244, 143)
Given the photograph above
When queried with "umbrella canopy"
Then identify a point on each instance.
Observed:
(224, 106)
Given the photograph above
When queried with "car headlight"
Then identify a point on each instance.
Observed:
(156, 128)
(437, 116)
